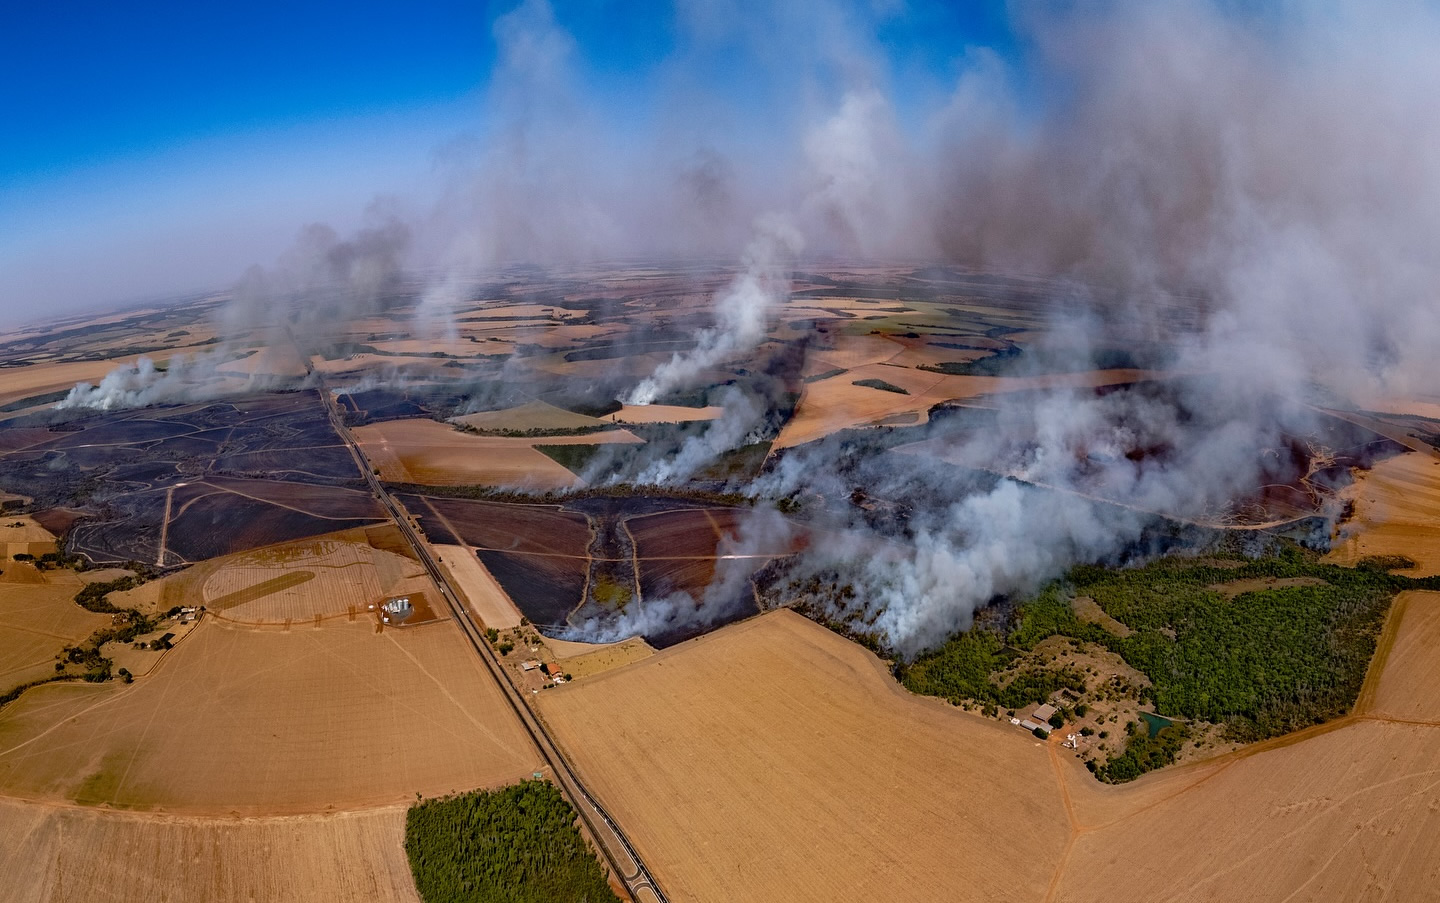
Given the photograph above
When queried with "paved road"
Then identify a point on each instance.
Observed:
(613, 843)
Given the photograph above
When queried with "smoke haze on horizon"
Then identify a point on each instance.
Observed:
(1275, 167)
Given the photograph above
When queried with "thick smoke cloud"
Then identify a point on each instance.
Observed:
(1255, 188)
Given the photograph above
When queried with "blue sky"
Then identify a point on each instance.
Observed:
(131, 127)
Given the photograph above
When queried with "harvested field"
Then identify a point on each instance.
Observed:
(321, 578)
(662, 413)
(255, 721)
(1397, 510)
(435, 454)
(720, 752)
(1406, 688)
(1347, 814)
(537, 415)
(37, 620)
(586, 660)
(481, 591)
(21, 535)
(831, 405)
(774, 760)
(60, 853)
(846, 352)
(39, 379)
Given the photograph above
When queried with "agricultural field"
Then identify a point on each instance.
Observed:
(50, 852)
(1397, 508)
(430, 453)
(38, 619)
(1306, 816)
(720, 753)
(267, 721)
(174, 484)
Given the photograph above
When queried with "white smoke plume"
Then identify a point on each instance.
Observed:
(742, 416)
(729, 591)
(742, 311)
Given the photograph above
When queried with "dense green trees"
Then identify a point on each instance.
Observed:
(968, 666)
(1143, 753)
(517, 845)
(1219, 640)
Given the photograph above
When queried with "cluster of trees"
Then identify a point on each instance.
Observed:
(539, 432)
(518, 844)
(880, 384)
(969, 667)
(1262, 662)
(92, 596)
(87, 654)
(1266, 662)
(1142, 753)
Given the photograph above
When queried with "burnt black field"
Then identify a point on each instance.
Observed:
(238, 474)
(541, 554)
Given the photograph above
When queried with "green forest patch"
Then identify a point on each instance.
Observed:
(1278, 658)
(518, 844)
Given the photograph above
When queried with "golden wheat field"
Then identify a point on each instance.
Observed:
(432, 453)
(775, 760)
(238, 720)
(65, 854)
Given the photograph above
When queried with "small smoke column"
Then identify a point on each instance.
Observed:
(729, 593)
(742, 311)
(738, 425)
(132, 387)
(314, 292)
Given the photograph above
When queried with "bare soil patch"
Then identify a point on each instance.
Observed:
(1406, 687)
(1086, 609)
(1232, 588)
(599, 659)
(537, 415)
(662, 413)
(481, 590)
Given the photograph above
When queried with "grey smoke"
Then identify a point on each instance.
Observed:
(742, 312)
(1255, 187)
(729, 592)
(310, 296)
